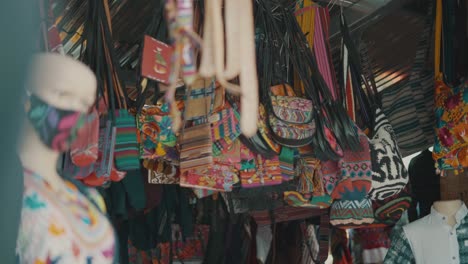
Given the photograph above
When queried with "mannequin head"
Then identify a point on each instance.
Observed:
(62, 82)
(62, 92)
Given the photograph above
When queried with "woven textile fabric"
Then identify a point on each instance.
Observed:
(400, 251)
(389, 175)
(451, 141)
(292, 109)
(351, 212)
(126, 142)
(409, 104)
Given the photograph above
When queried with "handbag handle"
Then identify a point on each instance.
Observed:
(321, 50)
(156, 28)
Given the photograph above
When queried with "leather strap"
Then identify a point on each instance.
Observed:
(320, 48)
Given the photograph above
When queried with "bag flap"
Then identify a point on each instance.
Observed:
(293, 110)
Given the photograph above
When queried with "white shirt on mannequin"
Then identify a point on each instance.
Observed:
(433, 240)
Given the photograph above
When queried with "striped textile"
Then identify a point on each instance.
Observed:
(196, 147)
(409, 104)
(351, 212)
(286, 159)
(390, 211)
(126, 144)
(322, 52)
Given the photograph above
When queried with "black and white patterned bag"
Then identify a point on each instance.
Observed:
(389, 175)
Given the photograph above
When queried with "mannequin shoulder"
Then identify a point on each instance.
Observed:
(418, 225)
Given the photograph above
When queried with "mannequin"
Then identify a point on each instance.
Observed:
(59, 223)
(439, 237)
(448, 209)
(66, 84)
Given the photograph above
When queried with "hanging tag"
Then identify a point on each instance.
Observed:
(156, 60)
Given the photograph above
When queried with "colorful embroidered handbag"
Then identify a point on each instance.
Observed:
(217, 177)
(225, 129)
(84, 150)
(157, 140)
(292, 110)
(291, 120)
(126, 153)
(356, 172)
(221, 176)
(451, 111)
(258, 171)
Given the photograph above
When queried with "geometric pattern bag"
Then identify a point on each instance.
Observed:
(389, 175)
(221, 176)
(225, 129)
(356, 172)
(257, 171)
(351, 212)
(390, 210)
(291, 120)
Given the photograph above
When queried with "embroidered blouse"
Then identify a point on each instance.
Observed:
(431, 240)
(63, 226)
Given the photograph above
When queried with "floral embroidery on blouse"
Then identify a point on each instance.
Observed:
(63, 226)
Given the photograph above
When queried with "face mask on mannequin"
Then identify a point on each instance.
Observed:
(57, 128)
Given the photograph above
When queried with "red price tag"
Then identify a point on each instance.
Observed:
(156, 61)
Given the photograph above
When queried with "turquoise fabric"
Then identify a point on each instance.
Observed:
(135, 189)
